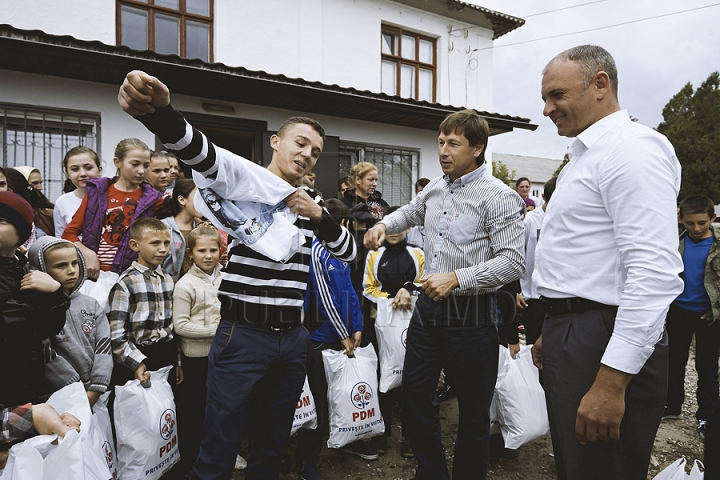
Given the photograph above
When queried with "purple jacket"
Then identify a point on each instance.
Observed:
(97, 204)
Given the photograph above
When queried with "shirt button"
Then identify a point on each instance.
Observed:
(444, 213)
(441, 234)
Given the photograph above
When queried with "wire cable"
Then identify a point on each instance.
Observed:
(561, 9)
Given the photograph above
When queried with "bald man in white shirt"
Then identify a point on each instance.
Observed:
(607, 267)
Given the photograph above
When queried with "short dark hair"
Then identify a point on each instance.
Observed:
(472, 126)
(344, 179)
(591, 59)
(337, 209)
(421, 182)
(697, 204)
(146, 224)
(549, 188)
(520, 180)
(304, 120)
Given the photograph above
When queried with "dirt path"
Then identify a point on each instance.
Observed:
(674, 439)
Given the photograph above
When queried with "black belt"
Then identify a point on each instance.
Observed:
(561, 306)
(272, 317)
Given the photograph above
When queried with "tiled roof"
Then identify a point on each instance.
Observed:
(501, 22)
(537, 169)
(34, 51)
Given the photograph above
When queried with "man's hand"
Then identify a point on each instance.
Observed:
(140, 93)
(93, 397)
(439, 286)
(375, 236)
(92, 262)
(601, 409)
(348, 345)
(402, 300)
(70, 421)
(39, 281)
(179, 375)
(142, 374)
(536, 352)
(357, 338)
(514, 349)
(300, 202)
(520, 301)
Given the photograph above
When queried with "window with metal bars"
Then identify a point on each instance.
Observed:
(409, 64)
(180, 27)
(40, 138)
(397, 168)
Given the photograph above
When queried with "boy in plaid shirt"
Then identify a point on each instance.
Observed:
(141, 308)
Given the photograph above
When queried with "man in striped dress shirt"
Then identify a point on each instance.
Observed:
(474, 243)
(257, 359)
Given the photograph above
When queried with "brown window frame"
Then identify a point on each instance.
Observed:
(400, 60)
(150, 7)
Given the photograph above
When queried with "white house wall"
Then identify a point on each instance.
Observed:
(331, 41)
(52, 92)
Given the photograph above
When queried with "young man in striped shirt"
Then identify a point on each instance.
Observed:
(473, 245)
(257, 359)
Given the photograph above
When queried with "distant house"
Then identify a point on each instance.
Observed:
(539, 170)
(379, 74)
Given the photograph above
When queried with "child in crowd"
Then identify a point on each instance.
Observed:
(392, 272)
(179, 214)
(110, 206)
(175, 173)
(32, 309)
(333, 314)
(695, 312)
(140, 306)
(196, 315)
(83, 345)
(158, 173)
(32, 176)
(80, 164)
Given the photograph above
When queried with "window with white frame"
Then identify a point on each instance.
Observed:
(41, 137)
(397, 168)
(409, 64)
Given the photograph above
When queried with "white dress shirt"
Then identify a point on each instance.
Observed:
(533, 223)
(610, 233)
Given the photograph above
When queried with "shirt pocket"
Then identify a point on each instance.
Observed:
(463, 229)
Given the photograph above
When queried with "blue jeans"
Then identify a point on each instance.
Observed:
(255, 377)
(456, 333)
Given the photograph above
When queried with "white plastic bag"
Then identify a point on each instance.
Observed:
(101, 418)
(73, 400)
(305, 412)
(392, 326)
(146, 427)
(676, 471)
(352, 396)
(38, 459)
(100, 289)
(519, 399)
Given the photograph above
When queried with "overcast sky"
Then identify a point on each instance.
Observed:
(655, 58)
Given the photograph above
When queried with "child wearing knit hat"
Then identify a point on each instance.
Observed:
(33, 309)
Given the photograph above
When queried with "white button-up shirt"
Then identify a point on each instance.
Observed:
(610, 233)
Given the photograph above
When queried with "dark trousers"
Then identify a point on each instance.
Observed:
(309, 442)
(681, 326)
(387, 403)
(712, 446)
(255, 376)
(190, 401)
(572, 347)
(533, 317)
(458, 333)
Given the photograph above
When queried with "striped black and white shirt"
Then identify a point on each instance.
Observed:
(473, 227)
(249, 276)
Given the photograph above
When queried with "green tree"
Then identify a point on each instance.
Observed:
(566, 159)
(500, 171)
(692, 124)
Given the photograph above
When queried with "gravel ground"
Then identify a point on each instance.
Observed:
(674, 439)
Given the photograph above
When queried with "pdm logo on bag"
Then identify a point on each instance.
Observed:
(403, 338)
(362, 395)
(109, 458)
(167, 429)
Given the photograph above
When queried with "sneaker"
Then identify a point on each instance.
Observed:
(240, 463)
(379, 444)
(671, 414)
(361, 449)
(309, 471)
(406, 451)
(702, 426)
